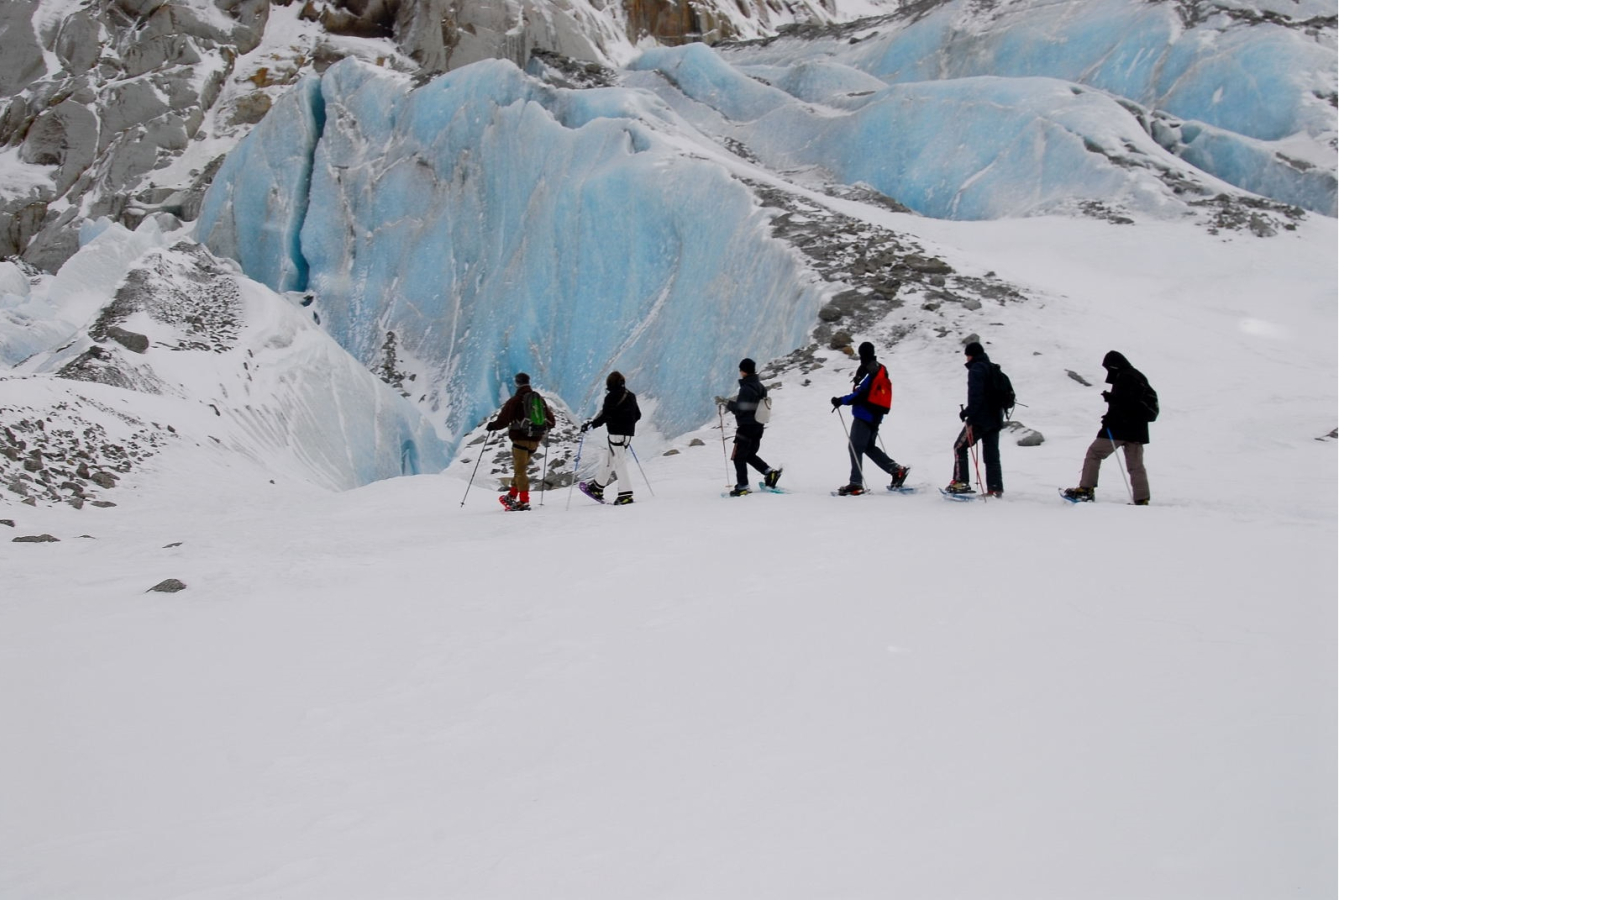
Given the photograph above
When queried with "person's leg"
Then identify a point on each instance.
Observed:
(860, 439)
(1099, 449)
(963, 444)
(991, 461)
(617, 446)
(1134, 454)
(519, 467)
(741, 450)
(756, 462)
(875, 453)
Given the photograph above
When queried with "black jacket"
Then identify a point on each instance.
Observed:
(619, 413)
(743, 405)
(982, 412)
(1124, 419)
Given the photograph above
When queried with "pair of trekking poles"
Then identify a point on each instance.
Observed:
(545, 471)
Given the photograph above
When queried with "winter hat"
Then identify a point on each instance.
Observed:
(867, 351)
(747, 365)
(974, 349)
(522, 378)
(615, 380)
(1115, 360)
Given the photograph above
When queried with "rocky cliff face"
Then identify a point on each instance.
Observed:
(125, 108)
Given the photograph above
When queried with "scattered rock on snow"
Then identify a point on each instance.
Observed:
(35, 539)
(170, 586)
(1078, 378)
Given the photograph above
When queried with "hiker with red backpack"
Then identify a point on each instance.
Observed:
(869, 403)
(1131, 405)
(619, 413)
(527, 418)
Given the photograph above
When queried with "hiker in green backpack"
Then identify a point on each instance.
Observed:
(528, 418)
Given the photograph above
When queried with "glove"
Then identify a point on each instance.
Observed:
(493, 427)
(1106, 395)
(834, 401)
(585, 427)
(963, 414)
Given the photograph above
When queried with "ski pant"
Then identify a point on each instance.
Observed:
(522, 451)
(969, 438)
(746, 441)
(864, 442)
(1132, 450)
(615, 468)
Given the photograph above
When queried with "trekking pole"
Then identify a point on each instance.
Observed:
(544, 475)
(1124, 472)
(850, 446)
(575, 464)
(641, 468)
(475, 469)
(725, 475)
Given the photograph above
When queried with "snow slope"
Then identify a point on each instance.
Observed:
(383, 693)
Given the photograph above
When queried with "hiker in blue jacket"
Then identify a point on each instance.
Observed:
(866, 418)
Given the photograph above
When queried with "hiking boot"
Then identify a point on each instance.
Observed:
(996, 493)
(517, 506)
(739, 491)
(959, 487)
(507, 500)
(1144, 502)
(624, 498)
(899, 479)
(1079, 494)
(852, 490)
(771, 480)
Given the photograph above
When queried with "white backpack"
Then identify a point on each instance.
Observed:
(764, 409)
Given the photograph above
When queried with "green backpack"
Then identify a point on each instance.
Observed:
(535, 419)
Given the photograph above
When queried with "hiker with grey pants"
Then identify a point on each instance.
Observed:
(1131, 405)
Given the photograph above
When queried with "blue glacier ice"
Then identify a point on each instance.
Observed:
(1250, 83)
(491, 237)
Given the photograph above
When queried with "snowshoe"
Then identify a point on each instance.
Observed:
(899, 480)
(852, 490)
(623, 499)
(771, 479)
(740, 491)
(1078, 495)
(592, 490)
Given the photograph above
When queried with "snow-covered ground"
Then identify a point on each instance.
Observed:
(385, 693)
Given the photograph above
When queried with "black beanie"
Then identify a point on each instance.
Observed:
(747, 365)
(522, 378)
(868, 351)
(974, 349)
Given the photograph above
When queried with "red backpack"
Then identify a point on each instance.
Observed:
(880, 395)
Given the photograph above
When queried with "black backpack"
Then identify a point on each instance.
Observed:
(535, 419)
(1149, 403)
(1001, 393)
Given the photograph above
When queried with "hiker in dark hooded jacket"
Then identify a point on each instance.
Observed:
(619, 413)
(747, 431)
(984, 418)
(1125, 426)
(523, 443)
(865, 419)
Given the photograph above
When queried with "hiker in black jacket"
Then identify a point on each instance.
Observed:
(619, 413)
(513, 415)
(747, 431)
(1125, 425)
(984, 419)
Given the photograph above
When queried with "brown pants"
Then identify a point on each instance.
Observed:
(521, 458)
(1102, 448)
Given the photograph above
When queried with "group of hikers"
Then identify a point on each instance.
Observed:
(1131, 405)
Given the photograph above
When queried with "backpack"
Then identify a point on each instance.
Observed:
(1149, 403)
(535, 419)
(880, 393)
(1001, 393)
(764, 408)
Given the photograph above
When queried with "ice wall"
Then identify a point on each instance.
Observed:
(1258, 83)
(492, 235)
